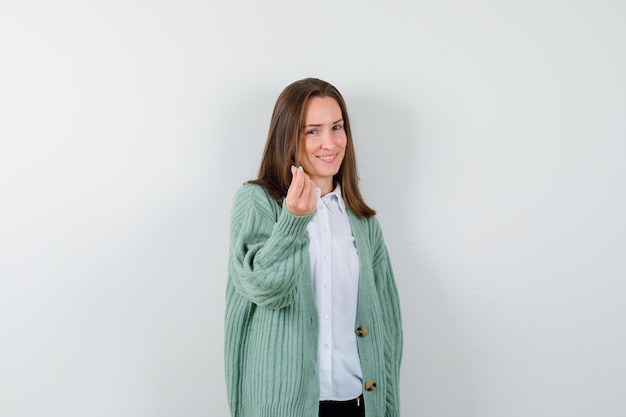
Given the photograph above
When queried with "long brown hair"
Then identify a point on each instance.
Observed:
(283, 145)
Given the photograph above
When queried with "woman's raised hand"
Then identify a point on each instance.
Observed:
(302, 195)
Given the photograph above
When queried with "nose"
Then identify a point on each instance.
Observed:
(327, 141)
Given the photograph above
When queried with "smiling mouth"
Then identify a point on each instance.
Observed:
(327, 158)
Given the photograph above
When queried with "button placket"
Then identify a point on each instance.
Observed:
(326, 295)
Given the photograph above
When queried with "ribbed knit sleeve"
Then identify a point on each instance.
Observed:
(268, 248)
(390, 303)
(271, 321)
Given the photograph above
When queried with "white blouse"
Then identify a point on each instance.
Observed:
(335, 272)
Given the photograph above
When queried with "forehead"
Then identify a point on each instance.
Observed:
(322, 109)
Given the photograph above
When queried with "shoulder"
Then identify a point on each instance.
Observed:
(253, 197)
(252, 194)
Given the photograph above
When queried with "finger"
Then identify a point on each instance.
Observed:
(297, 183)
(311, 195)
(308, 182)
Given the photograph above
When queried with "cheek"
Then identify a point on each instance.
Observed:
(342, 142)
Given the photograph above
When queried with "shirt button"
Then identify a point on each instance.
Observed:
(362, 331)
(325, 345)
(325, 316)
(326, 257)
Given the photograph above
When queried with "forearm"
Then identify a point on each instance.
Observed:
(267, 253)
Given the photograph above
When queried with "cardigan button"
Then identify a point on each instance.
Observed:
(370, 385)
(362, 331)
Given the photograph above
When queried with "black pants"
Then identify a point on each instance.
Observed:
(351, 408)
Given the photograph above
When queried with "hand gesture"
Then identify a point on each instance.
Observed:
(302, 195)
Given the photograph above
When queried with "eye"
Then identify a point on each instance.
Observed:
(311, 132)
(337, 127)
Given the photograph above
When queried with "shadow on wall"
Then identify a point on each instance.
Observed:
(389, 140)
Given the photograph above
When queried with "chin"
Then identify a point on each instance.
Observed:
(329, 173)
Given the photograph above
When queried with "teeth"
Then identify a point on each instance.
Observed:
(326, 157)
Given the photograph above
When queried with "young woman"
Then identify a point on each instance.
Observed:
(312, 314)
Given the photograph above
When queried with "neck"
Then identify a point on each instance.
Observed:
(326, 186)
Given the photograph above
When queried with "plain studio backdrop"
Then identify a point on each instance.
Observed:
(491, 138)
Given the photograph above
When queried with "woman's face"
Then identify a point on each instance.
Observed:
(322, 141)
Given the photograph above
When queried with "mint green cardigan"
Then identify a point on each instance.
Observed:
(271, 326)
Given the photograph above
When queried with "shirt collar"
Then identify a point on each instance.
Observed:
(333, 199)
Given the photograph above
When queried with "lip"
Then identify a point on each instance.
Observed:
(327, 158)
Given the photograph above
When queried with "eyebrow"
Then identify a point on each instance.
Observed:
(320, 124)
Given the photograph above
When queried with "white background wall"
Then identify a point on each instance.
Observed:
(491, 140)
